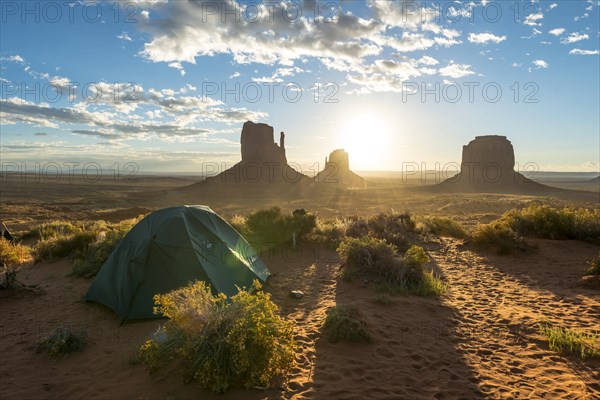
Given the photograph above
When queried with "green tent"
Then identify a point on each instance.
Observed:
(169, 249)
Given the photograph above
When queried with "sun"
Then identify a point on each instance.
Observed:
(367, 139)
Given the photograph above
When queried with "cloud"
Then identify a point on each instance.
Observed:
(532, 19)
(60, 82)
(482, 38)
(584, 52)
(343, 44)
(456, 70)
(557, 31)
(40, 134)
(124, 36)
(540, 64)
(16, 58)
(575, 37)
(552, 6)
(178, 66)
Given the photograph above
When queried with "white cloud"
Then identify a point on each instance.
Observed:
(456, 70)
(532, 19)
(274, 40)
(60, 82)
(426, 60)
(540, 64)
(557, 31)
(16, 58)
(482, 38)
(575, 37)
(234, 75)
(124, 36)
(584, 52)
(552, 6)
(178, 67)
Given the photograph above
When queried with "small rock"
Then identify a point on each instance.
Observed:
(366, 281)
(591, 281)
(296, 294)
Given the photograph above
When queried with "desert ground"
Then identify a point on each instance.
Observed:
(477, 341)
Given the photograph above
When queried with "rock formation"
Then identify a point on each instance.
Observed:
(258, 145)
(488, 165)
(488, 158)
(337, 171)
(263, 160)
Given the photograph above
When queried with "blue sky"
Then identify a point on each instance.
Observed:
(168, 84)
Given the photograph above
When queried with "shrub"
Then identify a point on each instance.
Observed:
(52, 229)
(443, 226)
(61, 342)
(12, 254)
(395, 228)
(539, 221)
(564, 340)
(429, 284)
(271, 228)
(594, 268)
(497, 236)
(545, 222)
(222, 343)
(344, 322)
(329, 232)
(367, 255)
(375, 258)
(55, 247)
(383, 298)
(89, 261)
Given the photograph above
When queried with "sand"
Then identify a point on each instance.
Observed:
(478, 341)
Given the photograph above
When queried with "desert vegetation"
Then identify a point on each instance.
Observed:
(13, 254)
(567, 341)
(269, 228)
(89, 242)
(539, 221)
(61, 342)
(345, 322)
(222, 343)
(594, 267)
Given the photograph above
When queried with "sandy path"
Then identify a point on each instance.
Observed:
(499, 300)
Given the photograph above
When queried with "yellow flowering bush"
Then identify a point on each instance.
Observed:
(222, 343)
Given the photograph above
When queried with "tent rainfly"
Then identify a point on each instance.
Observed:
(167, 250)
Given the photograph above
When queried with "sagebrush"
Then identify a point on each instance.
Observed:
(221, 343)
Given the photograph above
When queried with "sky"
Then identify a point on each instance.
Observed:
(165, 86)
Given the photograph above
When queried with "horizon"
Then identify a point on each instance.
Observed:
(168, 85)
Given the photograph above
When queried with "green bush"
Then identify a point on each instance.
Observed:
(89, 261)
(383, 298)
(594, 268)
(269, 228)
(367, 256)
(221, 343)
(344, 322)
(375, 258)
(564, 340)
(61, 342)
(55, 247)
(443, 226)
(329, 232)
(52, 229)
(497, 236)
(539, 221)
(545, 222)
(395, 228)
